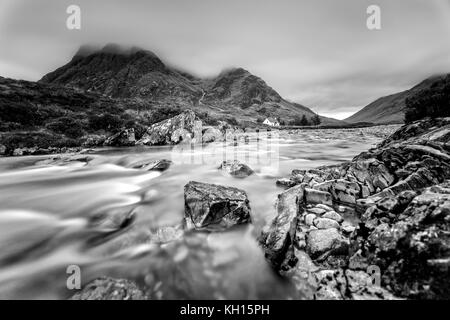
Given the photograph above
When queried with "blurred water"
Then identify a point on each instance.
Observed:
(97, 212)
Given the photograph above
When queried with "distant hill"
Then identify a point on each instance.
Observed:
(139, 74)
(391, 109)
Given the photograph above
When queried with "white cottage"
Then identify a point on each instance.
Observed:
(272, 122)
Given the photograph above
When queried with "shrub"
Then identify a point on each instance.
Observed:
(315, 120)
(107, 122)
(299, 121)
(72, 128)
(37, 139)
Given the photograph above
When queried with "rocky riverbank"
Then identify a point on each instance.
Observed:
(373, 228)
(376, 227)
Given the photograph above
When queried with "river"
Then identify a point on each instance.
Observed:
(55, 213)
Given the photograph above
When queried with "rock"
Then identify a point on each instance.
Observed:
(156, 165)
(110, 289)
(324, 241)
(277, 238)
(236, 168)
(334, 216)
(348, 285)
(122, 138)
(316, 197)
(324, 207)
(331, 285)
(344, 191)
(317, 211)
(182, 127)
(166, 234)
(309, 219)
(2, 150)
(285, 182)
(386, 204)
(347, 228)
(17, 152)
(214, 207)
(212, 135)
(405, 242)
(325, 223)
(94, 140)
(112, 220)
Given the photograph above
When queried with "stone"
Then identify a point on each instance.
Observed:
(325, 223)
(404, 240)
(387, 203)
(304, 262)
(348, 285)
(347, 228)
(316, 211)
(313, 196)
(236, 168)
(309, 219)
(122, 138)
(112, 220)
(214, 207)
(110, 289)
(181, 128)
(334, 216)
(285, 182)
(212, 135)
(324, 207)
(325, 241)
(279, 235)
(154, 165)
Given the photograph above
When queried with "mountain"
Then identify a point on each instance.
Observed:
(391, 109)
(117, 73)
(139, 74)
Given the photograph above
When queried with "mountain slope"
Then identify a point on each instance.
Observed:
(134, 73)
(140, 74)
(390, 109)
(248, 96)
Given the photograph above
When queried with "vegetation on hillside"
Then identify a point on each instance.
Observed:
(304, 121)
(431, 102)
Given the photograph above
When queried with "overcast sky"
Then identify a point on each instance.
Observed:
(316, 52)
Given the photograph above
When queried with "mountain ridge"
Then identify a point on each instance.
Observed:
(133, 72)
(391, 108)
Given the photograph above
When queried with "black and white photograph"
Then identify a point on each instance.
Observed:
(217, 150)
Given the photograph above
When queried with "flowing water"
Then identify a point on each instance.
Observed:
(97, 212)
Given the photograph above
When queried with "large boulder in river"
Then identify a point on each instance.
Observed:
(214, 207)
(182, 127)
(122, 138)
(236, 168)
(110, 289)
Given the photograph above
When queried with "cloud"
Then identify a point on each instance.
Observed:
(318, 53)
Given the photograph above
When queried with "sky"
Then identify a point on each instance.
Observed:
(319, 53)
